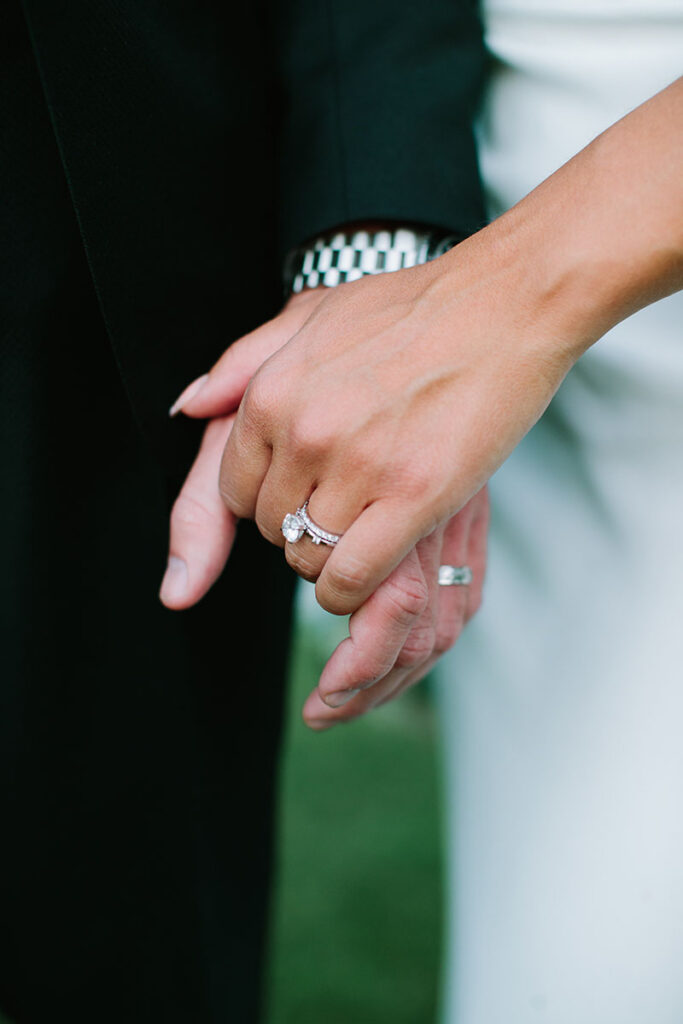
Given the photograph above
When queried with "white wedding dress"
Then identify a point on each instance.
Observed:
(562, 705)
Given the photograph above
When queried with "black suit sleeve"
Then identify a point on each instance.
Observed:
(378, 100)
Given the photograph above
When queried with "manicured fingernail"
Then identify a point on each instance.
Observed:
(339, 699)
(190, 391)
(174, 583)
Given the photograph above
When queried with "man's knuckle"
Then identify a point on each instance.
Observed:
(190, 512)
(418, 647)
(232, 501)
(409, 596)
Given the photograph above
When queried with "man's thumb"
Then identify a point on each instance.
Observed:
(202, 530)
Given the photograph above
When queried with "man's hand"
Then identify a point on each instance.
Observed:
(202, 528)
(406, 625)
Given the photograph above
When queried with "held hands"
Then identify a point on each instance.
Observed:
(399, 633)
(392, 403)
(401, 394)
(388, 403)
(389, 408)
(406, 625)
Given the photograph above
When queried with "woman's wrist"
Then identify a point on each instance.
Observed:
(515, 274)
(599, 239)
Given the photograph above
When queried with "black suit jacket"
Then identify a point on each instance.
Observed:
(159, 157)
(202, 139)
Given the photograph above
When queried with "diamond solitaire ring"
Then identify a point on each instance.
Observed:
(294, 526)
(454, 575)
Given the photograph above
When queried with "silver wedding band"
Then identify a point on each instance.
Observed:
(296, 524)
(454, 575)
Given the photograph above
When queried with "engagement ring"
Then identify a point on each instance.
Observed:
(296, 524)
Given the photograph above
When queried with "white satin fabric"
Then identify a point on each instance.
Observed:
(562, 706)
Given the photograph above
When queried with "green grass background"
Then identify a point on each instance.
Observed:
(357, 915)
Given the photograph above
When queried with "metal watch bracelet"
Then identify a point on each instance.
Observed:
(346, 256)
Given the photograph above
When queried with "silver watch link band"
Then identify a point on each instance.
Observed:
(346, 256)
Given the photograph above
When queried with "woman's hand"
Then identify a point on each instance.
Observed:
(394, 638)
(398, 635)
(389, 409)
(401, 394)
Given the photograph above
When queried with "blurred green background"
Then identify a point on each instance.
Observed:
(358, 925)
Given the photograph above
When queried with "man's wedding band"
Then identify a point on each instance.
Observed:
(454, 575)
(296, 524)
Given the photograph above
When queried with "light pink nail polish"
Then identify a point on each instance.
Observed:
(190, 392)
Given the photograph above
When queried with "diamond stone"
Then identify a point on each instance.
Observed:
(292, 528)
